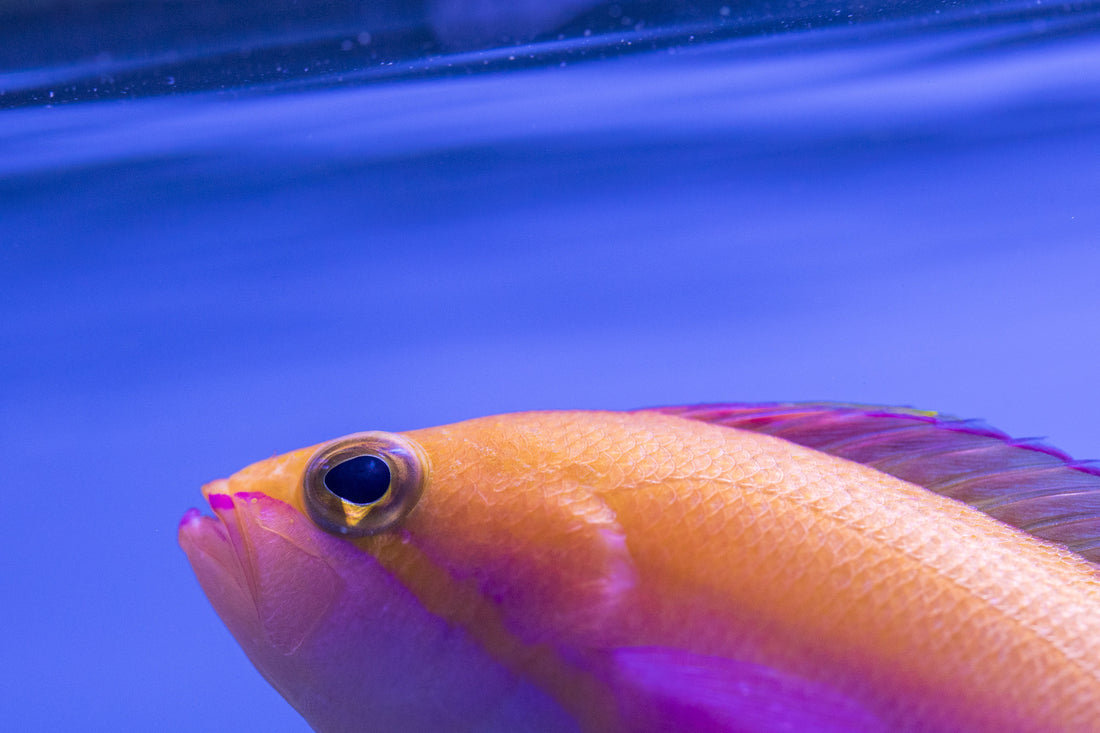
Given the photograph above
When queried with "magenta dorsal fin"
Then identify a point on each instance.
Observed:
(1024, 483)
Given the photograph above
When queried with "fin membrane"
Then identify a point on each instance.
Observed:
(1023, 483)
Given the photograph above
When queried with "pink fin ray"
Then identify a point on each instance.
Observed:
(664, 689)
(1023, 483)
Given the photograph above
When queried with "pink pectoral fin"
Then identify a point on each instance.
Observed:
(671, 690)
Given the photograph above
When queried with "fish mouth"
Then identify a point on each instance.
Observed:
(200, 534)
(194, 522)
(259, 565)
(219, 555)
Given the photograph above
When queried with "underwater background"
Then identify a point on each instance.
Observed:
(232, 229)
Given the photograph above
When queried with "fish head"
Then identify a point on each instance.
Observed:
(450, 590)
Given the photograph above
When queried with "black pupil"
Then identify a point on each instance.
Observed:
(360, 480)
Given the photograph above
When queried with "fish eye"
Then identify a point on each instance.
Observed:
(363, 484)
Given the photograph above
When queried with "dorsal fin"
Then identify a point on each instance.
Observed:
(1023, 483)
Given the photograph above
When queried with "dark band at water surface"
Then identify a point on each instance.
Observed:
(62, 51)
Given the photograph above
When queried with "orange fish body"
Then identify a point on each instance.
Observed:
(647, 572)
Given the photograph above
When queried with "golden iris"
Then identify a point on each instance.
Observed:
(364, 483)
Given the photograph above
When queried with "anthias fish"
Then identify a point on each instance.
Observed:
(750, 568)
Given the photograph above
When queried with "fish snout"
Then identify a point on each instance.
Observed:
(253, 560)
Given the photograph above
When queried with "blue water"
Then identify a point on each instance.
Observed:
(223, 236)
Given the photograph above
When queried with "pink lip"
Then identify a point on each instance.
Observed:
(189, 517)
(197, 530)
(220, 501)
